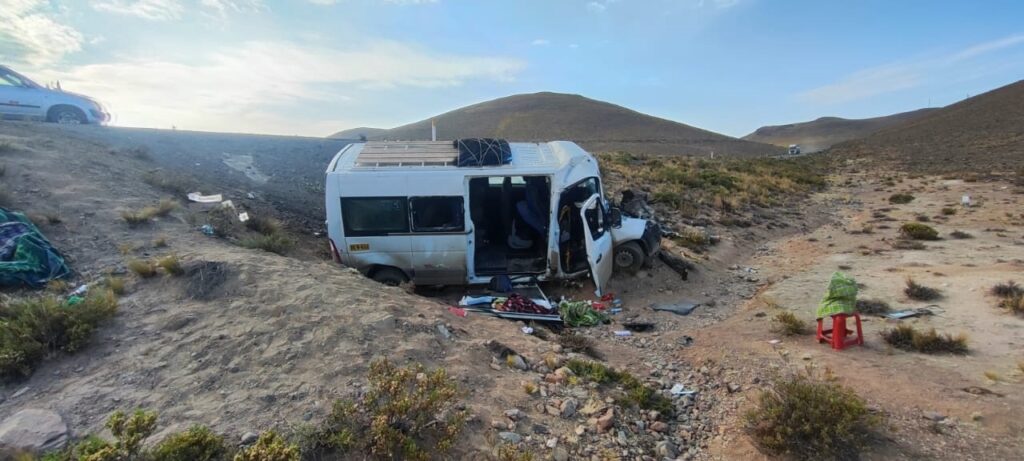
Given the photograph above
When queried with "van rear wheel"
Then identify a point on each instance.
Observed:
(629, 257)
(389, 276)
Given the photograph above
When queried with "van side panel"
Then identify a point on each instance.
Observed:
(366, 252)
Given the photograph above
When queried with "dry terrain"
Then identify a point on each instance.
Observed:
(270, 341)
(596, 125)
(820, 134)
(983, 134)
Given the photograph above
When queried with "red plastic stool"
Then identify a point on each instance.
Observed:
(837, 334)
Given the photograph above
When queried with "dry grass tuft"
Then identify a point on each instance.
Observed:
(1007, 289)
(116, 284)
(789, 324)
(901, 199)
(960, 235)
(142, 268)
(908, 338)
(872, 307)
(171, 264)
(920, 292)
(948, 211)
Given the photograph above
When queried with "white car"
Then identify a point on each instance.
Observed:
(23, 99)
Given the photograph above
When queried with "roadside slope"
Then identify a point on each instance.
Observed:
(982, 134)
(820, 134)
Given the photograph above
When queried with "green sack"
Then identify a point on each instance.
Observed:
(841, 297)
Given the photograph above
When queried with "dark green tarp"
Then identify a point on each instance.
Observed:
(26, 257)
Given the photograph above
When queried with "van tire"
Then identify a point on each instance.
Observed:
(629, 258)
(389, 276)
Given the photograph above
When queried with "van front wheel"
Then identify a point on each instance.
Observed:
(389, 276)
(629, 257)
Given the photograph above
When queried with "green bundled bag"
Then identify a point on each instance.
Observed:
(841, 297)
(26, 257)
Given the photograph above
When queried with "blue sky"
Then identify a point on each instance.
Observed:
(312, 67)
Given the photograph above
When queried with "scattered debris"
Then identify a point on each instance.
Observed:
(200, 198)
(681, 308)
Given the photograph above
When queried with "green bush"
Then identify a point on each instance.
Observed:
(901, 198)
(810, 419)
(33, 328)
(908, 338)
(408, 413)
(269, 447)
(636, 393)
(198, 443)
(918, 231)
(129, 432)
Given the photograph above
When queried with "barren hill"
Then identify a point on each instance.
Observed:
(598, 126)
(820, 134)
(981, 134)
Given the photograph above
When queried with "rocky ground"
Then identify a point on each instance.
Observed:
(276, 339)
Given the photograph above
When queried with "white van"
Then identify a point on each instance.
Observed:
(405, 211)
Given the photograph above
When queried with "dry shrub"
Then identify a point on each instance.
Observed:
(809, 418)
(160, 242)
(274, 243)
(919, 292)
(264, 225)
(908, 245)
(901, 198)
(872, 307)
(136, 218)
(407, 413)
(1013, 304)
(918, 231)
(789, 324)
(579, 344)
(171, 264)
(204, 278)
(34, 328)
(142, 268)
(960, 235)
(908, 338)
(1007, 289)
(115, 283)
(948, 211)
(176, 184)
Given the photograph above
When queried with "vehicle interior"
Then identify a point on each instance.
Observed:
(571, 241)
(510, 222)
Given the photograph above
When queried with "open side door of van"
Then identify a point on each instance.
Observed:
(598, 240)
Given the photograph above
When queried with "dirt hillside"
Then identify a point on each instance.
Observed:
(598, 126)
(820, 134)
(983, 134)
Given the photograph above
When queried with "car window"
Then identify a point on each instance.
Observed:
(437, 214)
(9, 80)
(374, 216)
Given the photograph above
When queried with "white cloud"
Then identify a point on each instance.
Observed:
(574, 45)
(541, 42)
(30, 35)
(222, 8)
(153, 10)
(899, 76)
(394, 2)
(597, 7)
(232, 89)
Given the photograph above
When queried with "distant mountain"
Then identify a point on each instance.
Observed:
(984, 134)
(358, 133)
(824, 132)
(596, 125)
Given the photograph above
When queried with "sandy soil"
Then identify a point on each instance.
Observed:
(901, 385)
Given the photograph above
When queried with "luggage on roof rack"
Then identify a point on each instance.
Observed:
(483, 152)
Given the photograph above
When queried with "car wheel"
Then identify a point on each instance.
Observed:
(629, 257)
(68, 116)
(389, 276)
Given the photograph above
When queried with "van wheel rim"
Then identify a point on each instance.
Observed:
(624, 259)
(68, 118)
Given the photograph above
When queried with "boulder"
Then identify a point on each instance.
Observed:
(34, 430)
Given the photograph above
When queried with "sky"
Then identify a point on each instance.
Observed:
(313, 67)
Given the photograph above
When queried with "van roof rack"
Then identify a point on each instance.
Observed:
(407, 153)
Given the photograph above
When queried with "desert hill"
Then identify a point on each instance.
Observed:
(820, 134)
(984, 134)
(598, 126)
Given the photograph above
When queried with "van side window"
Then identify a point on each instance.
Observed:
(366, 216)
(437, 214)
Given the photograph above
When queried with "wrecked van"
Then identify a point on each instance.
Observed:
(463, 212)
